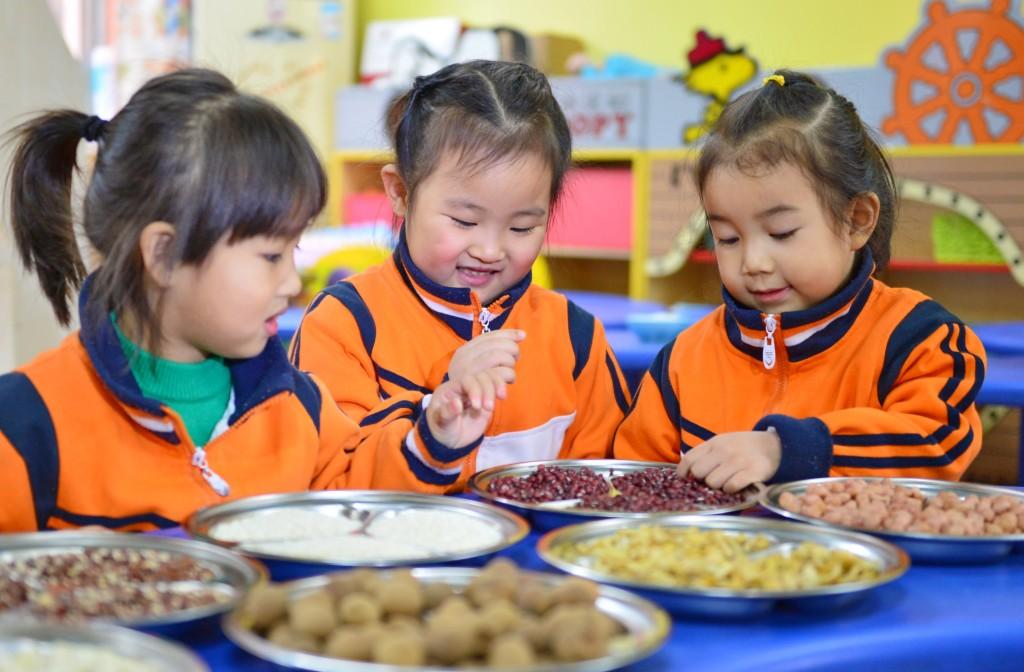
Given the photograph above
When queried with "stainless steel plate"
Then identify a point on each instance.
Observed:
(927, 548)
(646, 628)
(233, 574)
(548, 516)
(364, 507)
(157, 653)
(728, 603)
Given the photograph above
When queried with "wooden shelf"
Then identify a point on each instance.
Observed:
(585, 252)
(708, 257)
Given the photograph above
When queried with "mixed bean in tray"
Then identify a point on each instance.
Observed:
(114, 583)
(656, 489)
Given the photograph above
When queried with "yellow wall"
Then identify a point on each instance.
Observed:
(790, 33)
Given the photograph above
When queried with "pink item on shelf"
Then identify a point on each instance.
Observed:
(595, 210)
(365, 206)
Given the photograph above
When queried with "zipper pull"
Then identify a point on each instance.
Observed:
(219, 485)
(768, 351)
(485, 319)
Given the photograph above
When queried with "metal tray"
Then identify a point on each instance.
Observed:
(158, 653)
(548, 516)
(647, 627)
(923, 548)
(364, 506)
(732, 604)
(234, 573)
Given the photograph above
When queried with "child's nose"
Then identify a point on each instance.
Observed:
(291, 284)
(487, 249)
(756, 259)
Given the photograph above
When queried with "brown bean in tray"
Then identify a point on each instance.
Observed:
(503, 618)
(112, 583)
(881, 505)
(656, 489)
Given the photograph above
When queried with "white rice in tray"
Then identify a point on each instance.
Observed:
(441, 532)
(32, 656)
(349, 548)
(283, 525)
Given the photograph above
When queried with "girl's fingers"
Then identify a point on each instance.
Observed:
(740, 480)
(721, 474)
(471, 390)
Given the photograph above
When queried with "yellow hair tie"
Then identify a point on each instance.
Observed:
(778, 79)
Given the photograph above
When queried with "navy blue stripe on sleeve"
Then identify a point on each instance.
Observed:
(115, 523)
(296, 344)
(350, 297)
(581, 336)
(919, 324)
(309, 396)
(908, 462)
(25, 421)
(374, 418)
(423, 472)
(620, 394)
(399, 380)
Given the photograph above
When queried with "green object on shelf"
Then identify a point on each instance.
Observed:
(958, 240)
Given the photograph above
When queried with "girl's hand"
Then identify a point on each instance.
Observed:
(461, 408)
(733, 461)
(494, 349)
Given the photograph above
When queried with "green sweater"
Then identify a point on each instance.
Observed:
(198, 392)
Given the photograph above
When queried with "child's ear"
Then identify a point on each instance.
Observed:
(862, 214)
(394, 187)
(155, 243)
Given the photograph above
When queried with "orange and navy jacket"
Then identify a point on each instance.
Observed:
(875, 381)
(80, 444)
(382, 341)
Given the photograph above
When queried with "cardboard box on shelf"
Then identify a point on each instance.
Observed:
(550, 52)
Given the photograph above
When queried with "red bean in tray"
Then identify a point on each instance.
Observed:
(655, 489)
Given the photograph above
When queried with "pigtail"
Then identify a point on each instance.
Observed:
(39, 184)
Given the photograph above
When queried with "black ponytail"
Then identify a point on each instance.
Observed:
(40, 189)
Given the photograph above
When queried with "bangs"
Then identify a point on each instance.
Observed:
(257, 176)
(477, 144)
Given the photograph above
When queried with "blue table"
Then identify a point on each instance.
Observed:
(933, 618)
(611, 309)
(1001, 338)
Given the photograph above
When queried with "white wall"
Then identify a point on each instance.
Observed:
(36, 72)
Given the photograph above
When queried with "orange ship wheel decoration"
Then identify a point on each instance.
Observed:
(969, 86)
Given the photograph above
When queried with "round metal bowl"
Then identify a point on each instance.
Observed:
(362, 506)
(731, 603)
(646, 629)
(550, 515)
(234, 574)
(155, 652)
(923, 548)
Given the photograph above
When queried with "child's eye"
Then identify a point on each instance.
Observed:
(523, 229)
(727, 241)
(783, 235)
(461, 222)
(273, 258)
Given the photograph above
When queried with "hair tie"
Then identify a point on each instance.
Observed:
(92, 128)
(778, 79)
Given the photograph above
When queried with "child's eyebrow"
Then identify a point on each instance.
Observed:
(464, 203)
(776, 210)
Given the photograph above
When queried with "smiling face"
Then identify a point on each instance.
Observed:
(480, 229)
(229, 304)
(779, 249)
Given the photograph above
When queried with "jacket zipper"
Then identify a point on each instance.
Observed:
(485, 320)
(768, 350)
(219, 485)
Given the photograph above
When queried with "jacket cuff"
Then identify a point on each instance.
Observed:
(806, 447)
(437, 450)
